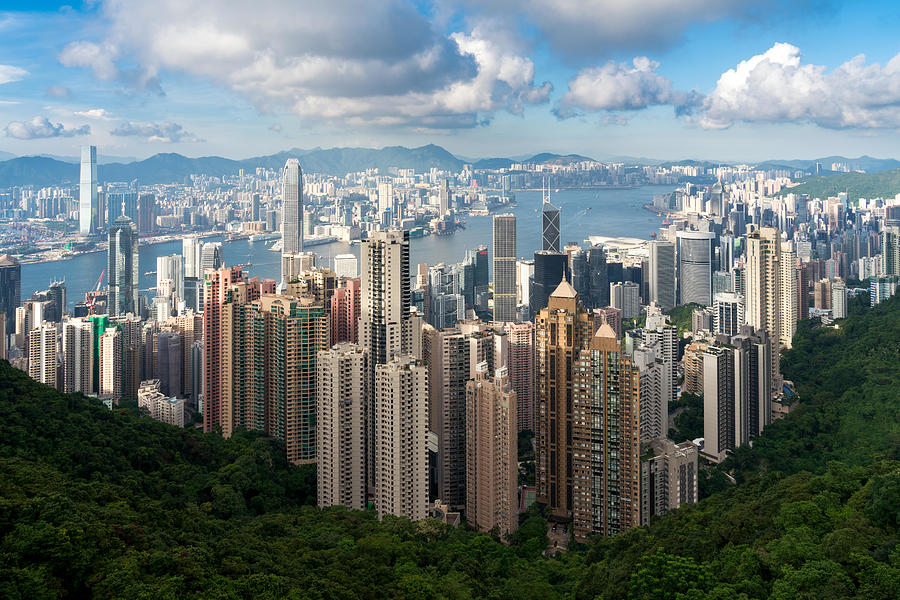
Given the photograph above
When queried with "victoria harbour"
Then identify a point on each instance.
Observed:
(611, 212)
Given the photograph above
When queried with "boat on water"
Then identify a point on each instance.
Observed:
(262, 237)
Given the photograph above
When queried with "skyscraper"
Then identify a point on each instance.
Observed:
(342, 384)
(400, 449)
(77, 351)
(839, 299)
(291, 211)
(662, 274)
(504, 268)
(728, 313)
(444, 197)
(549, 225)
(344, 313)
(211, 257)
(521, 371)
(549, 269)
(88, 203)
(491, 452)
(603, 447)
(122, 269)
(561, 331)
(696, 258)
(42, 353)
(10, 290)
(190, 257)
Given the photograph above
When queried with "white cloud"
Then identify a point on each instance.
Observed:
(9, 73)
(777, 86)
(618, 86)
(95, 113)
(341, 61)
(166, 131)
(41, 127)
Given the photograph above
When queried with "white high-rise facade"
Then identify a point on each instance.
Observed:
(190, 254)
(291, 211)
(342, 382)
(401, 439)
(78, 356)
(42, 361)
(88, 201)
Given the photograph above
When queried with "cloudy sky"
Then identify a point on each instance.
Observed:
(715, 79)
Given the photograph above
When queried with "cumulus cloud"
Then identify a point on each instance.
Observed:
(101, 59)
(340, 63)
(95, 113)
(41, 127)
(166, 131)
(619, 87)
(9, 73)
(58, 91)
(276, 127)
(599, 28)
(777, 86)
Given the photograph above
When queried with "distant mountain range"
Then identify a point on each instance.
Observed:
(166, 168)
(169, 167)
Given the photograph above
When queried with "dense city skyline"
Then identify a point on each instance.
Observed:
(702, 79)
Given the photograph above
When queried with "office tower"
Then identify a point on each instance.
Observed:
(88, 203)
(491, 452)
(342, 383)
(839, 299)
(728, 313)
(662, 274)
(4, 338)
(170, 268)
(42, 352)
(561, 331)
(10, 290)
(346, 265)
(111, 362)
(696, 258)
(121, 204)
(626, 297)
(444, 197)
(291, 212)
(478, 258)
(400, 427)
(578, 267)
(160, 406)
(193, 292)
(524, 276)
(549, 226)
(668, 478)
(211, 257)
(190, 257)
(344, 313)
(599, 277)
(446, 304)
(132, 345)
(450, 356)
(520, 364)
(605, 447)
(504, 268)
(170, 360)
(146, 213)
(611, 316)
(737, 391)
(122, 268)
(549, 269)
(78, 355)
(295, 263)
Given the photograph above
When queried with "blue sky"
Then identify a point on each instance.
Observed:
(715, 79)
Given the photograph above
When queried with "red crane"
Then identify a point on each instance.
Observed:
(92, 296)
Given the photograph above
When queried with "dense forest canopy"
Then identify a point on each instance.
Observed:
(104, 504)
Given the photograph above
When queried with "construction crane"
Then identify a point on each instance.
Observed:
(93, 296)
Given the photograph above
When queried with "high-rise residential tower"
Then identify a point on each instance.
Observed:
(491, 452)
(122, 268)
(291, 211)
(504, 268)
(521, 371)
(88, 202)
(342, 385)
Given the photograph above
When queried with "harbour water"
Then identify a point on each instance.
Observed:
(583, 213)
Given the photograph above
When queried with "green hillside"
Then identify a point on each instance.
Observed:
(883, 184)
(102, 504)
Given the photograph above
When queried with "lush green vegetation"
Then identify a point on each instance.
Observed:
(688, 418)
(682, 317)
(102, 504)
(882, 184)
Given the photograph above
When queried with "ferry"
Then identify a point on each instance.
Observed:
(262, 237)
